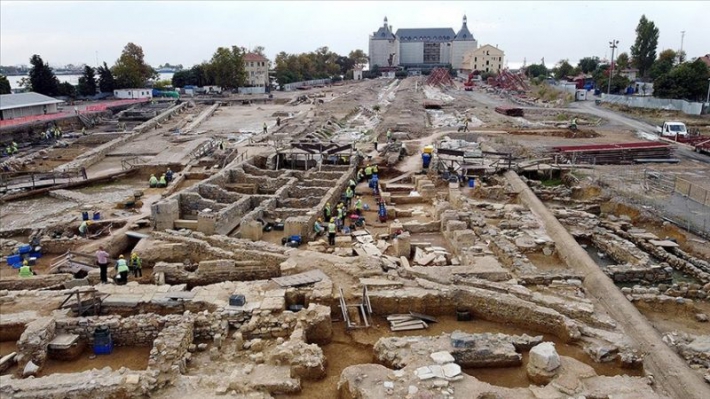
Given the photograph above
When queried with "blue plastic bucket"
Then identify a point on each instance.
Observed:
(472, 182)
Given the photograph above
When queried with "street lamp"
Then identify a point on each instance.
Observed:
(612, 45)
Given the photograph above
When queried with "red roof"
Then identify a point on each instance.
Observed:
(254, 57)
(706, 59)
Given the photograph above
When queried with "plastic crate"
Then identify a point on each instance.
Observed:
(103, 349)
(25, 249)
(15, 261)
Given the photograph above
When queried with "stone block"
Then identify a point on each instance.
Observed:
(460, 339)
(442, 357)
(251, 230)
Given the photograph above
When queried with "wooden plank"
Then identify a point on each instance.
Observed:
(420, 326)
(424, 317)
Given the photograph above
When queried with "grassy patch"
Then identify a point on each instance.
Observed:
(551, 182)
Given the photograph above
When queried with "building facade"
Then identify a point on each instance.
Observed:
(257, 69)
(485, 59)
(420, 47)
(21, 105)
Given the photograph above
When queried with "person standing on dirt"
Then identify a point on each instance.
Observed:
(327, 211)
(573, 124)
(349, 193)
(358, 206)
(265, 128)
(278, 121)
(102, 261)
(153, 182)
(162, 183)
(368, 173)
(331, 232)
(465, 125)
(169, 175)
(122, 270)
(136, 265)
(389, 135)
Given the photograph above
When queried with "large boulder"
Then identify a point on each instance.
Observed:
(543, 363)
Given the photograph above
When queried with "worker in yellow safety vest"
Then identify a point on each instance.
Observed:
(25, 270)
(162, 182)
(368, 172)
(122, 270)
(327, 212)
(348, 197)
(136, 265)
(153, 182)
(331, 231)
(358, 206)
(84, 227)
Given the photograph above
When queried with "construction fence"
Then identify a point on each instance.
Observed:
(669, 196)
(686, 107)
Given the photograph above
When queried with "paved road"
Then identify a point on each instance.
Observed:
(589, 107)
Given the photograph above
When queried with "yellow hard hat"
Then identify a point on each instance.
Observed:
(25, 263)
(134, 254)
(89, 222)
(332, 220)
(120, 257)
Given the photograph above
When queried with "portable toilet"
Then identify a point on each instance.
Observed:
(581, 95)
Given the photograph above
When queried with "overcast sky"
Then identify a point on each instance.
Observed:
(183, 32)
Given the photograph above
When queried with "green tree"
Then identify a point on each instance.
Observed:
(259, 50)
(358, 57)
(87, 82)
(668, 55)
(66, 89)
(42, 79)
(618, 83)
(162, 84)
(622, 61)
(663, 65)
(563, 69)
(4, 85)
(106, 81)
(535, 70)
(130, 69)
(643, 52)
(227, 67)
(686, 81)
(588, 64)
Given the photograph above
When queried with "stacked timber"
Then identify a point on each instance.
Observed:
(624, 153)
(407, 322)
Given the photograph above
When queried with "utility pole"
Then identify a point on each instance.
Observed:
(612, 45)
(97, 59)
(680, 53)
(707, 99)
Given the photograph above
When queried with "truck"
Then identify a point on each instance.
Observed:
(672, 129)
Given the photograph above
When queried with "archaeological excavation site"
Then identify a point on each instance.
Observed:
(381, 238)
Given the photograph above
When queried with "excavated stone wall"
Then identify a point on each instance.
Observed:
(35, 282)
(32, 345)
(168, 355)
(215, 271)
(484, 304)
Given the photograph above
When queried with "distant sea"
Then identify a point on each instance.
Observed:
(73, 79)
